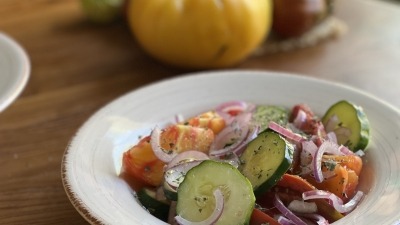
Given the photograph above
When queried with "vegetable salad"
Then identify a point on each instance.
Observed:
(242, 163)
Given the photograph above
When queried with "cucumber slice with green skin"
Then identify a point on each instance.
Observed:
(196, 200)
(264, 114)
(157, 208)
(169, 192)
(351, 118)
(265, 160)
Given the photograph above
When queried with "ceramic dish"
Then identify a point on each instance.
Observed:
(92, 161)
(14, 70)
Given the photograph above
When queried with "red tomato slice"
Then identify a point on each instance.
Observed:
(260, 218)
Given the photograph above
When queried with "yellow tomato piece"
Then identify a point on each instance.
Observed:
(336, 184)
(352, 162)
(209, 120)
(141, 166)
(180, 138)
(352, 184)
(200, 33)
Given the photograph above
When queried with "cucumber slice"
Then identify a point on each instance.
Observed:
(265, 160)
(352, 128)
(169, 192)
(157, 208)
(196, 200)
(264, 114)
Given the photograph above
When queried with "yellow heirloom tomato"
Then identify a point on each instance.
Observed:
(200, 33)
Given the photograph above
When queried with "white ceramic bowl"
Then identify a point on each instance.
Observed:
(92, 161)
(14, 70)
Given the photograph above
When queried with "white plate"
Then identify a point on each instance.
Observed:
(92, 161)
(14, 70)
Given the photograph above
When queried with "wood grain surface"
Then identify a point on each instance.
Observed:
(78, 66)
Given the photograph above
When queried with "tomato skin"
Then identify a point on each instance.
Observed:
(259, 218)
(139, 164)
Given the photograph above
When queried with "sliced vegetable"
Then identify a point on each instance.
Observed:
(260, 218)
(156, 207)
(169, 142)
(196, 201)
(334, 200)
(288, 134)
(287, 212)
(176, 174)
(352, 162)
(210, 119)
(170, 192)
(265, 160)
(234, 137)
(301, 185)
(349, 123)
(215, 215)
(304, 119)
(264, 114)
(141, 164)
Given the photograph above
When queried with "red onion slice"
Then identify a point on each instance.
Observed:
(163, 155)
(331, 136)
(187, 156)
(359, 153)
(334, 200)
(300, 119)
(326, 147)
(215, 215)
(298, 206)
(175, 175)
(239, 146)
(345, 151)
(286, 212)
(318, 218)
(232, 159)
(239, 106)
(232, 136)
(310, 147)
(172, 213)
(285, 132)
(284, 221)
(332, 122)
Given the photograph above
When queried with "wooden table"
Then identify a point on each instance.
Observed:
(77, 67)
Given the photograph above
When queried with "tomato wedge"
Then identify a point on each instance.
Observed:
(209, 119)
(352, 162)
(296, 183)
(141, 166)
(258, 217)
